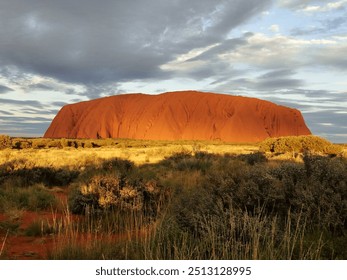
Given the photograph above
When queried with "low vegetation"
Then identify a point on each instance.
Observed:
(300, 144)
(190, 203)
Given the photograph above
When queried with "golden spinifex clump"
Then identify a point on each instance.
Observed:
(299, 144)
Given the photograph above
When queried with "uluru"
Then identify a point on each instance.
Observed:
(180, 115)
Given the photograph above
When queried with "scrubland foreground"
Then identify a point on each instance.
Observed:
(285, 198)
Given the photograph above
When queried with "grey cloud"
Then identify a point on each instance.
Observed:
(327, 26)
(24, 119)
(307, 31)
(332, 24)
(312, 100)
(41, 112)
(210, 65)
(272, 80)
(279, 84)
(42, 86)
(6, 113)
(58, 104)
(4, 89)
(97, 90)
(328, 116)
(16, 127)
(316, 93)
(89, 42)
(225, 47)
(239, 11)
(278, 73)
(278, 79)
(316, 121)
(32, 103)
(333, 56)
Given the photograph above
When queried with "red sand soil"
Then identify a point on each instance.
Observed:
(185, 115)
(18, 246)
(22, 247)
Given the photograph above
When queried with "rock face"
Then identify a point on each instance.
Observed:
(186, 115)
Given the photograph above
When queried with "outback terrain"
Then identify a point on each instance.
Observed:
(283, 198)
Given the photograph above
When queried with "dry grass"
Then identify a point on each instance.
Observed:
(71, 157)
(3, 243)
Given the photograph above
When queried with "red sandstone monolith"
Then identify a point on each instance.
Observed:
(184, 115)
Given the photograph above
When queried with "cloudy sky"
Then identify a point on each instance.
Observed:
(291, 52)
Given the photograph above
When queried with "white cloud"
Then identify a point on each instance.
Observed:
(325, 8)
(326, 124)
(336, 5)
(312, 9)
(274, 28)
(257, 51)
(277, 51)
(294, 4)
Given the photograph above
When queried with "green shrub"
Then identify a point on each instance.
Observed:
(39, 198)
(38, 228)
(30, 176)
(32, 198)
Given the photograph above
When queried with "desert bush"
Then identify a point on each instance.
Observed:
(80, 203)
(88, 144)
(21, 144)
(311, 196)
(299, 144)
(333, 149)
(5, 142)
(186, 161)
(253, 158)
(64, 143)
(40, 143)
(327, 181)
(28, 176)
(120, 165)
(117, 193)
(56, 143)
